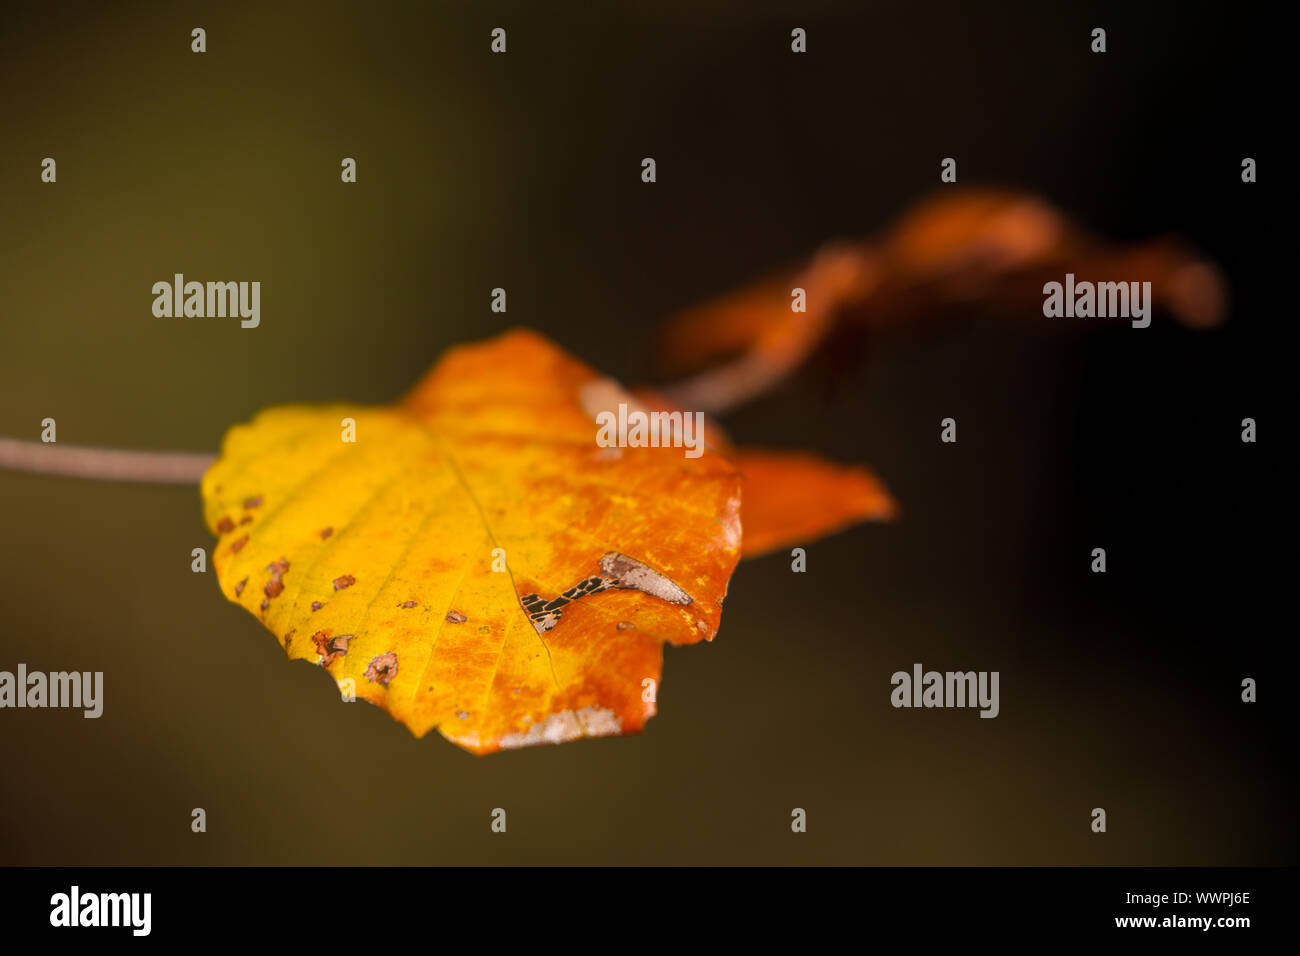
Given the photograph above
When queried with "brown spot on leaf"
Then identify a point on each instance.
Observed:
(332, 648)
(624, 625)
(225, 525)
(252, 502)
(455, 617)
(409, 604)
(317, 605)
(234, 548)
(345, 581)
(239, 588)
(325, 533)
(382, 669)
(247, 519)
(275, 585)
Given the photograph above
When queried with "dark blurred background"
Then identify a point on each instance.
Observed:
(1119, 691)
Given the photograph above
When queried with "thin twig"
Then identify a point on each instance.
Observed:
(835, 273)
(106, 464)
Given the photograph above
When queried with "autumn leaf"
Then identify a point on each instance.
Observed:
(960, 254)
(473, 562)
(790, 498)
(793, 498)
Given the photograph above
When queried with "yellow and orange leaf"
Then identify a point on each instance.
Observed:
(793, 498)
(790, 497)
(375, 558)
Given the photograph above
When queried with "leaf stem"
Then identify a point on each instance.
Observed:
(105, 464)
